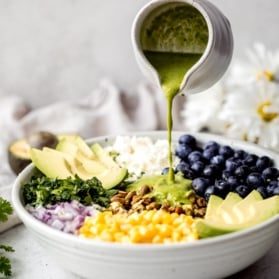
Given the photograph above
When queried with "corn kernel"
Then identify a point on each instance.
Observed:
(154, 226)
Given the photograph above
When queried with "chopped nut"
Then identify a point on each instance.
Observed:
(165, 205)
(129, 196)
(144, 190)
(179, 210)
(153, 205)
(132, 201)
(201, 202)
(135, 199)
(116, 198)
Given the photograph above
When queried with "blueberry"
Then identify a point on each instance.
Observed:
(226, 151)
(199, 185)
(242, 190)
(240, 154)
(276, 191)
(232, 164)
(223, 187)
(212, 145)
(270, 173)
(250, 160)
(242, 171)
(209, 153)
(194, 157)
(264, 162)
(211, 171)
(254, 180)
(189, 174)
(218, 160)
(233, 181)
(271, 186)
(187, 140)
(182, 151)
(254, 169)
(262, 190)
(226, 174)
(197, 167)
(181, 166)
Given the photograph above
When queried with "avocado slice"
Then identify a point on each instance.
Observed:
(213, 203)
(251, 210)
(73, 156)
(102, 155)
(78, 142)
(52, 164)
(95, 161)
(252, 197)
(225, 211)
(89, 161)
(75, 166)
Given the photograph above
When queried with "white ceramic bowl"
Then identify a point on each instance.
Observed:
(216, 257)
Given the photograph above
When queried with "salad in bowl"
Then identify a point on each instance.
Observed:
(108, 206)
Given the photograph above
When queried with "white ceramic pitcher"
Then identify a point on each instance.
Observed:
(215, 58)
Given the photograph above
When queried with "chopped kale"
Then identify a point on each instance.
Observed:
(44, 190)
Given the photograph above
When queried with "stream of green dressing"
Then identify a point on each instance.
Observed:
(172, 41)
(171, 68)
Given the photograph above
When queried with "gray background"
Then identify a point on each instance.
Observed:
(54, 50)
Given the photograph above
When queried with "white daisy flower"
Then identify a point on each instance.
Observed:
(252, 114)
(201, 110)
(262, 64)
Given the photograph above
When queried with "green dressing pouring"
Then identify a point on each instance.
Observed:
(173, 41)
(171, 68)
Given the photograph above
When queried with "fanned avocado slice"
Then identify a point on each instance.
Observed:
(225, 211)
(212, 206)
(51, 163)
(73, 156)
(243, 214)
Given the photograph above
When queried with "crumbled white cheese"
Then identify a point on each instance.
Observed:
(140, 155)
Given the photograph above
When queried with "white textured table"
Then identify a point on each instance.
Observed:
(29, 261)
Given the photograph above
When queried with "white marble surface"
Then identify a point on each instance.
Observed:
(29, 261)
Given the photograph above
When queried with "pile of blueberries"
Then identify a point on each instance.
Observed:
(219, 169)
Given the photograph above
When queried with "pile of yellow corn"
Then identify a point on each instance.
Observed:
(153, 226)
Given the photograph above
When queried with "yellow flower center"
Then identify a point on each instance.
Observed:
(263, 112)
(268, 75)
